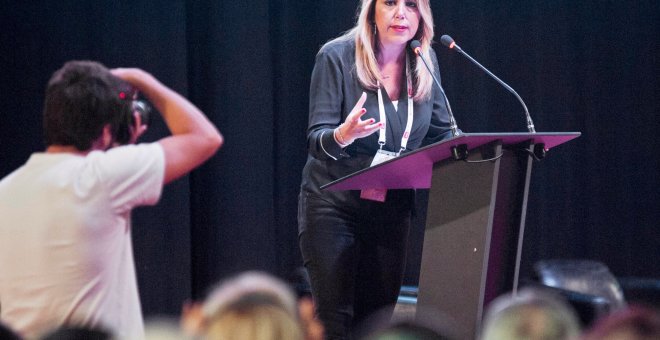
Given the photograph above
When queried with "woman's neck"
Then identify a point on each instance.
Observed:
(391, 62)
(391, 54)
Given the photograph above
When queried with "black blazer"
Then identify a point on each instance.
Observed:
(334, 90)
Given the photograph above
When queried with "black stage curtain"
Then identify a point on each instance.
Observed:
(590, 66)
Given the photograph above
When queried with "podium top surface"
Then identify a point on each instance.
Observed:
(413, 170)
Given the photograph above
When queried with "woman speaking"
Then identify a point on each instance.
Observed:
(371, 99)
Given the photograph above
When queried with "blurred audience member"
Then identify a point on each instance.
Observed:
(164, 328)
(531, 315)
(407, 330)
(312, 327)
(254, 317)
(423, 324)
(250, 306)
(631, 323)
(7, 333)
(78, 333)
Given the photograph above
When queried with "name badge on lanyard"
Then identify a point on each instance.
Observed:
(380, 194)
(382, 156)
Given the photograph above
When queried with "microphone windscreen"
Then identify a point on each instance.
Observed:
(415, 44)
(447, 41)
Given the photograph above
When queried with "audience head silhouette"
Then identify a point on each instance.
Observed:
(251, 306)
(631, 323)
(532, 315)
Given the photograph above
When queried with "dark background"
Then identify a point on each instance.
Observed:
(589, 66)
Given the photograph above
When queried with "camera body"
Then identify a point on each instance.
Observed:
(124, 133)
(143, 109)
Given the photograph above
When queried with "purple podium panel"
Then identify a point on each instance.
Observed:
(413, 170)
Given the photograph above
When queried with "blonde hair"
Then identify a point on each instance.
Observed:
(252, 306)
(366, 46)
(250, 282)
(254, 322)
(531, 314)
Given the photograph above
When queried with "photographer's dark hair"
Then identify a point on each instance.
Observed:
(81, 98)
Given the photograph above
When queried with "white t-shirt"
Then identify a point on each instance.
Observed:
(65, 243)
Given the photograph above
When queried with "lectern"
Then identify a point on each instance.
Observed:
(475, 217)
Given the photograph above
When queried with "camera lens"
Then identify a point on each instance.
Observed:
(144, 110)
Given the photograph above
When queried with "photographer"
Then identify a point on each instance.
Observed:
(65, 241)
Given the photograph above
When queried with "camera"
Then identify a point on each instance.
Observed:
(143, 109)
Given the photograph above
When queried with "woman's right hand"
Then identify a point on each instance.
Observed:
(354, 127)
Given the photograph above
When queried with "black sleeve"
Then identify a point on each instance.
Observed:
(325, 106)
(439, 127)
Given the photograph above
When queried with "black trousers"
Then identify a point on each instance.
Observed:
(355, 254)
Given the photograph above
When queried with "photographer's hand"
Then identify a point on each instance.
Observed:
(138, 129)
(194, 138)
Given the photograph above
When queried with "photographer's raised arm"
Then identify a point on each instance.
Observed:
(194, 138)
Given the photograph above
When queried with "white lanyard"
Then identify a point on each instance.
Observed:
(383, 118)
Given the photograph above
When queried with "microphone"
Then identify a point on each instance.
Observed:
(460, 151)
(449, 42)
(416, 46)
